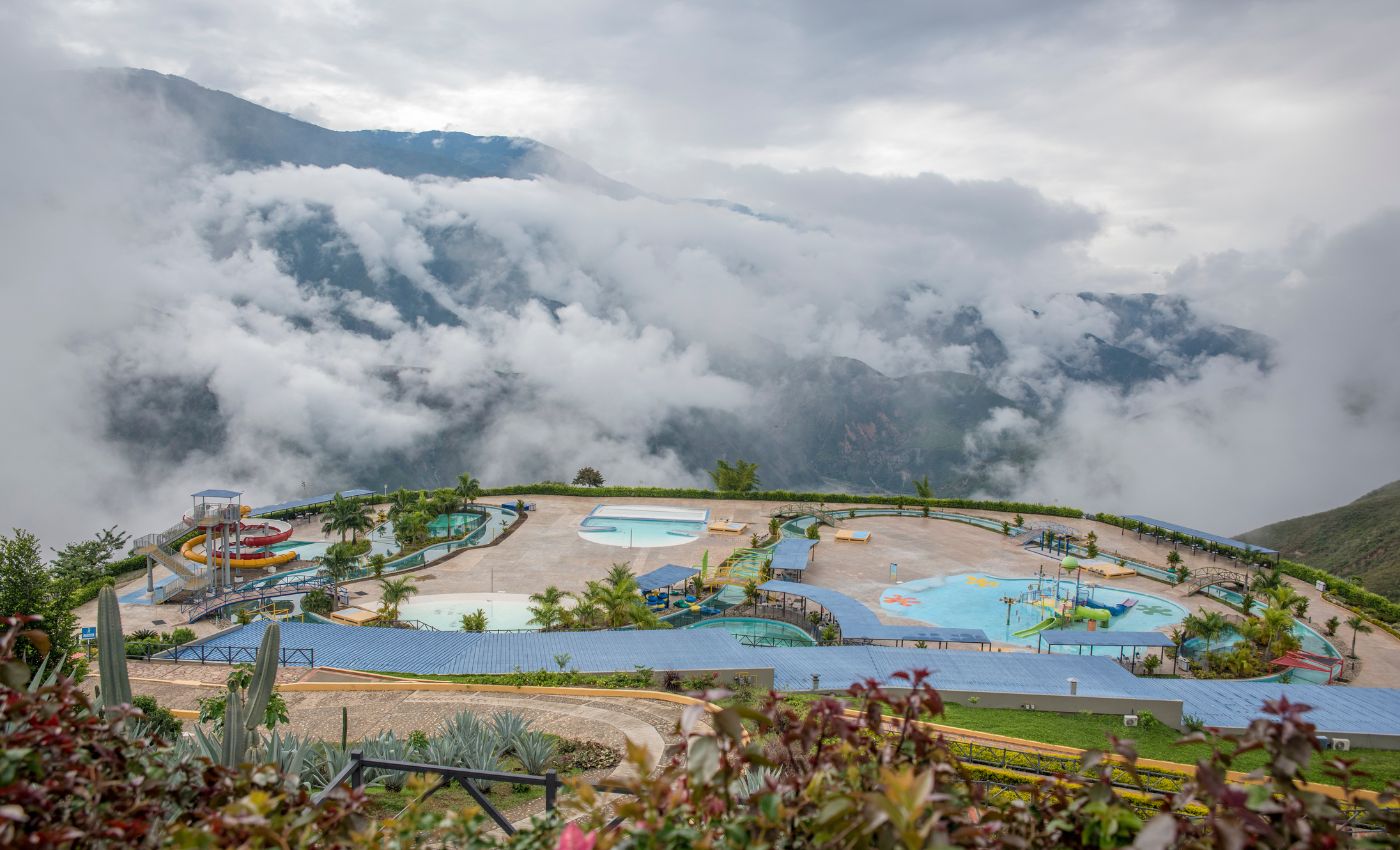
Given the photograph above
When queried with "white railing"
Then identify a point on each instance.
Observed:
(220, 513)
(160, 538)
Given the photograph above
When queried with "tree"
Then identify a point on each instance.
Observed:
(922, 487)
(1359, 626)
(1173, 559)
(338, 567)
(1210, 628)
(1091, 546)
(475, 621)
(1006, 528)
(212, 709)
(87, 560)
(377, 563)
(411, 528)
(1331, 626)
(1151, 663)
(814, 532)
(742, 477)
(588, 477)
(317, 602)
(468, 487)
(751, 593)
(27, 587)
(393, 592)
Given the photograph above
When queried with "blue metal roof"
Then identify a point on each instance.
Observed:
(792, 553)
(1336, 711)
(409, 651)
(314, 500)
(665, 577)
(217, 494)
(860, 623)
(1070, 637)
(1204, 535)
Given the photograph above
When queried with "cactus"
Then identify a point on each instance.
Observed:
(114, 686)
(241, 719)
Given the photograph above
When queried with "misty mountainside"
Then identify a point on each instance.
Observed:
(238, 134)
(1359, 540)
(538, 316)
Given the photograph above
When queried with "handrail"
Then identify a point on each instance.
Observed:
(205, 654)
(200, 607)
(354, 773)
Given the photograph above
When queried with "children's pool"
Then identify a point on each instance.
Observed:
(753, 631)
(976, 600)
(444, 611)
(640, 533)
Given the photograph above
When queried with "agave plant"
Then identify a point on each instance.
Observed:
(535, 751)
(389, 747)
(508, 726)
(751, 782)
(323, 763)
(288, 752)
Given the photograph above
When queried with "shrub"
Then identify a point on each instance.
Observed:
(181, 636)
(317, 602)
(158, 720)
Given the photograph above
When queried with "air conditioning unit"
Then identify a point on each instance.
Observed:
(1343, 744)
(1028, 706)
(1130, 720)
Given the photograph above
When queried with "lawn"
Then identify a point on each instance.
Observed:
(1154, 740)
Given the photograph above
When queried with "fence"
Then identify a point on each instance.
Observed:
(205, 654)
(354, 773)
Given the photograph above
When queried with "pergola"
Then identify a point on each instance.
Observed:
(1051, 638)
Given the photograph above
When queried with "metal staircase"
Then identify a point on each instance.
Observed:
(157, 548)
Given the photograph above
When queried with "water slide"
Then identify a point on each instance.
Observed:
(1049, 622)
(1083, 613)
(272, 560)
(1116, 610)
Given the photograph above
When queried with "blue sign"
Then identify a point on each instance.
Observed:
(89, 633)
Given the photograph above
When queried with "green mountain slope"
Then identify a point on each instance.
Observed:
(1360, 540)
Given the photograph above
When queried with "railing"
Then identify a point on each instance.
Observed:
(221, 513)
(354, 773)
(204, 654)
(160, 538)
(203, 606)
(1214, 576)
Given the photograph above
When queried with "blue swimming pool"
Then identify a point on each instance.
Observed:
(977, 600)
(640, 533)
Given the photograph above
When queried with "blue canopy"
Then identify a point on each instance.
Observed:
(306, 503)
(792, 553)
(216, 494)
(665, 577)
(1103, 637)
(1204, 535)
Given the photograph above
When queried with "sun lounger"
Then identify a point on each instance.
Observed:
(727, 527)
(849, 536)
(1108, 570)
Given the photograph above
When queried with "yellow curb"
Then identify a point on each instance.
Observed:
(973, 736)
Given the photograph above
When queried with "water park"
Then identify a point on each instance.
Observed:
(799, 596)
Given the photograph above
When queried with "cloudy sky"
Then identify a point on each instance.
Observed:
(1196, 126)
(1239, 154)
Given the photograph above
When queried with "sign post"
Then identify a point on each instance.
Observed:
(894, 571)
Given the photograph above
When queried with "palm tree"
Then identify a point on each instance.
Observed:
(1358, 626)
(1210, 627)
(338, 567)
(1277, 623)
(751, 593)
(547, 615)
(393, 592)
(551, 595)
(1284, 597)
(921, 486)
(468, 487)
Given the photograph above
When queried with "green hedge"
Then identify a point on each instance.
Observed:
(1371, 604)
(552, 489)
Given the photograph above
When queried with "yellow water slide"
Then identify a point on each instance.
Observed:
(237, 563)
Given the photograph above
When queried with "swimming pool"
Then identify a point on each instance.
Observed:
(975, 600)
(753, 631)
(1309, 640)
(444, 611)
(643, 526)
(308, 550)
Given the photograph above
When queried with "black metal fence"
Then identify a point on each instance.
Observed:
(288, 656)
(354, 773)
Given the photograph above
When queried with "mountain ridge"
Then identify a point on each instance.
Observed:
(1358, 540)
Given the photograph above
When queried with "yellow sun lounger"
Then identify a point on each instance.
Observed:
(1108, 570)
(853, 536)
(727, 527)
